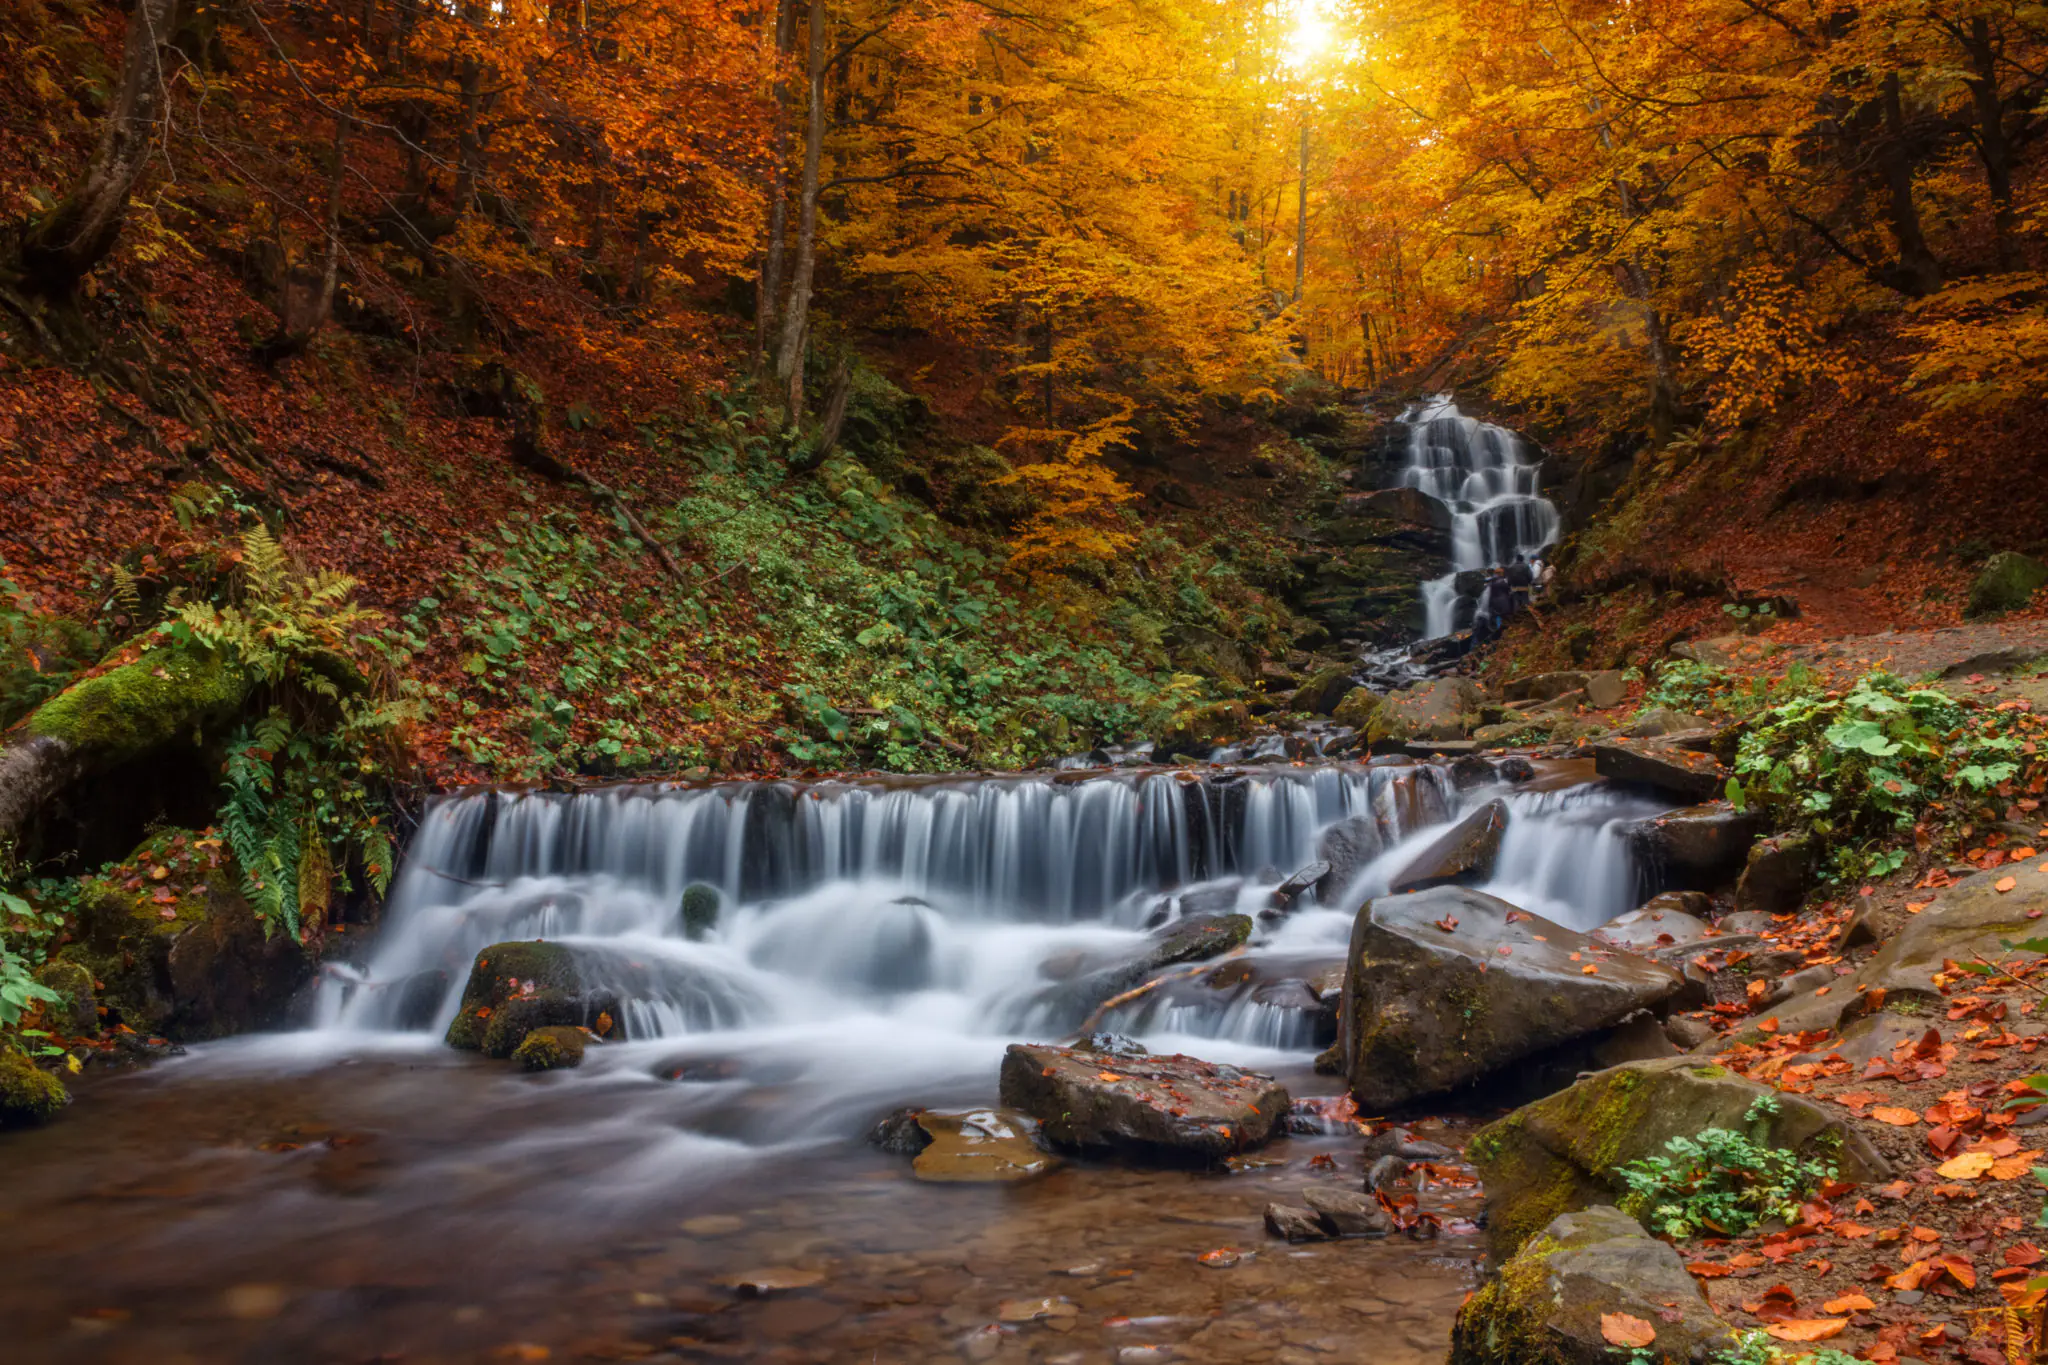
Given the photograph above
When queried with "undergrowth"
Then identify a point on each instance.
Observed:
(1721, 1181)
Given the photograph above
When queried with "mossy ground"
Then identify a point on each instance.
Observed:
(28, 1094)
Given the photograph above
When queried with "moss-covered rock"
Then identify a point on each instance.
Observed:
(194, 965)
(699, 910)
(1563, 1152)
(28, 1094)
(1544, 1306)
(1366, 711)
(1323, 690)
(1201, 728)
(515, 988)
(551, 1047)
(131, 710)
(77, 1012)
(2007, 582)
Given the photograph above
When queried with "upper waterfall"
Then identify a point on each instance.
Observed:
(1485, 475)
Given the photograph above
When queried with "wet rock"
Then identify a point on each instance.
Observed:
(1365, 712)
(1471, 771)
(1402, 1143)
(900, 1133)
(1464, 853)
(76, 1013)
(1112, 1045)
(28, 1094)
(1777, 874)
(1345, 848)
(416, 999)
(1324, 689)
(551, 1047)
(1447, 986)
(1663, 767)
(1746, 922)
(1687, 1033)
(1347, 1212)
(1545, 1306)
(1704, 845)
(2007, 582)
(979, 1146)
(1698, 904)
(1798, 983)
(1410, 505)
(1638, 1038)
(1564, 1152)
(1172, 1107)
(1292, 890)
(1650, 927)
(1442, 709)
(1386, 1172)
(1193, 940)
(1516, 769)
(515, 988)
(699, 910)
(1295, 1224)
(1970, 919)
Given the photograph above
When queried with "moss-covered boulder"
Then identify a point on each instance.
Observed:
(1323, 690)
(184, 956)
(551, 1047)
(515, 988)
(2007, 582)
(1366, 711)
(1564, 1151)
(1446, 987)
(76, 1013)
(1544, 1307)
(28, 1094)
(700, 909)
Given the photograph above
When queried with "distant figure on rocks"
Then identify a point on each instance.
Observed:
(1496, 605)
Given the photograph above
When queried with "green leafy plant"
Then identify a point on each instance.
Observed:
(1720, 1180)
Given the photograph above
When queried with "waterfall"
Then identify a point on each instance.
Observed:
(1482, 473)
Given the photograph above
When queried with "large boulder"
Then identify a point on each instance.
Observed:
(1366, 712)
(1464, 853)
(1969, 920)
(1170, 1107)
(1442, 708)
(1447, 986)
(2007, 582)
(1323, 690)
(1662, 767)
(1091, 981)
(515, 988)
(1653, 926)
(1699, 846)
(1564, 1152)
(1605, 688)
(1545, 1307)
(1777, 874)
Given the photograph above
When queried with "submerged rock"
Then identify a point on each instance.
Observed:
(1545, 1306)
(1563, 1152)
(979, 1146)
(1291, 890)
(1155, 1106)
(1447, 986)
(700, 908)
(1464, 853)
(1344, 849)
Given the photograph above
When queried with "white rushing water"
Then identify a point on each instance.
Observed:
(879, 945)
(1483, 473)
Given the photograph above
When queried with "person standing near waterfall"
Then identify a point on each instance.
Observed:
(1496, 604)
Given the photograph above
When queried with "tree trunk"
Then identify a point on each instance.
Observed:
(789, 361)
(1992, 145)
(1917, 273)
(769, 291)
(63, 248)
(298, 320)
(1301, 217)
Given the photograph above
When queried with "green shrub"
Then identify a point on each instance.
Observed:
(1721, 1181)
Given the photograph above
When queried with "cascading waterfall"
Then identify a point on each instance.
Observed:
(1482, 473)
(882, 942)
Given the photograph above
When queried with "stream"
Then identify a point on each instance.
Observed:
(357, 1191)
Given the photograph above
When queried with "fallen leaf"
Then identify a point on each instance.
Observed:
(1807, 1329)
(2005, 884)
(1619, 1329)
(1590, 969)
(1898, 1118)
(1968, 1166)
(1851, 1302)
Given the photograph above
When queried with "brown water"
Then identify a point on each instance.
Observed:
(433, 1207)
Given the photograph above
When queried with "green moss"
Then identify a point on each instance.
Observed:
(550, 1048)
(1503, 1320)
(700, 909)
(28, 1094)
(132, 710)
(1710, 1072)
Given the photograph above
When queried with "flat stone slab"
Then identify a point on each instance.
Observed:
(1684, 773)
(1158, 1106)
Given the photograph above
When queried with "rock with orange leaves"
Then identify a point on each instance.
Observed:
(1171, 1108)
